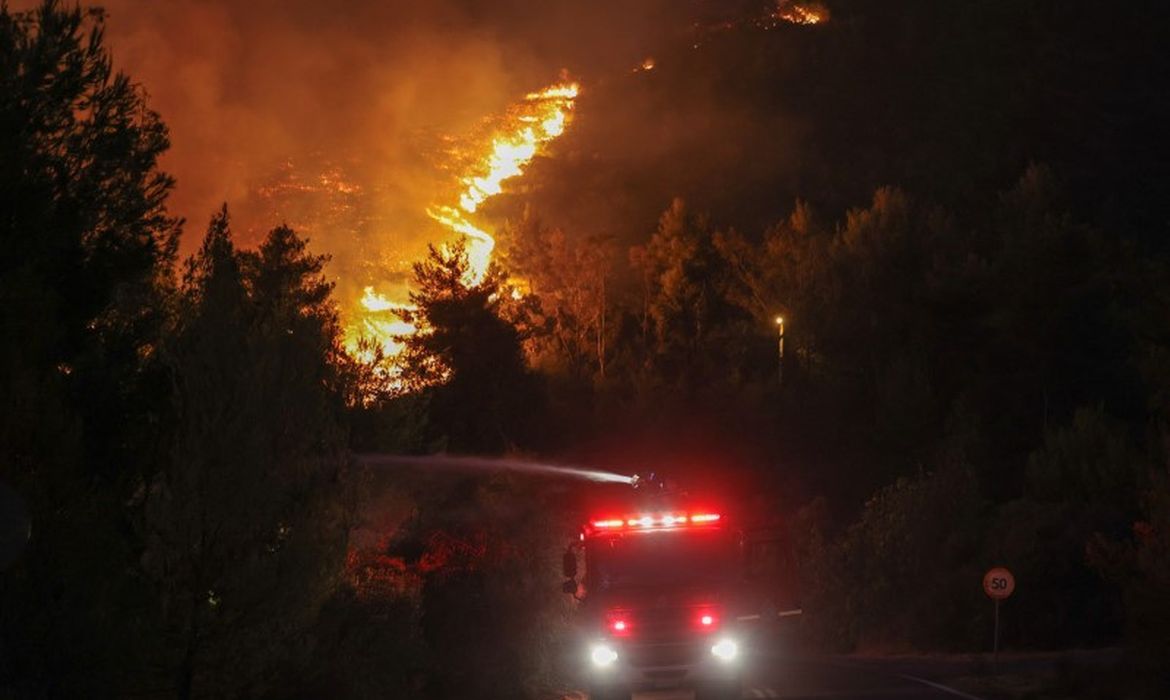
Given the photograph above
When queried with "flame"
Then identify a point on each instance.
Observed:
(802, 12)
(539, 119)
(377, 320)
(526, 128)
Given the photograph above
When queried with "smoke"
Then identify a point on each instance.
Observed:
(380, 86)
(347, 120)
(330, 118)
(274, 103)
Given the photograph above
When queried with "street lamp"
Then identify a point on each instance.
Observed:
(780, 351)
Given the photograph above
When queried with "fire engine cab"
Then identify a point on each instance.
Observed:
(663, 599)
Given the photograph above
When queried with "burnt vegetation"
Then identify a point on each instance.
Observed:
(976, 371)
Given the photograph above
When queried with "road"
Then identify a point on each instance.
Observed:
(779, 673)
(776, 674)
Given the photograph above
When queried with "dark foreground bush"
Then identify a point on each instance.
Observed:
(492, 611)
(903, 573)
(452, 593)
(368, 646)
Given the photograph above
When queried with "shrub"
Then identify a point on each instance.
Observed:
(905, 572)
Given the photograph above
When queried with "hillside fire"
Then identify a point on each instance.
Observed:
(802, 12)
(526, 129)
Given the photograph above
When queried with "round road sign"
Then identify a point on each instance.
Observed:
(999, 583)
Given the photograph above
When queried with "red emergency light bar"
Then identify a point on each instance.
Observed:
(657, 521)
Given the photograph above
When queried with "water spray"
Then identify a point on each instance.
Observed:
(504, 464)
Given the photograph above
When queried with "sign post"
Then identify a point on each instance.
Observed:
(998, 584)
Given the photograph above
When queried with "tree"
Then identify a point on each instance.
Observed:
(245, 527)
(466, 357)
(784, 276)
(917, 532)
(774, 278)
(1140, 565)
(84, 283)
(566, 281)
(684, 312)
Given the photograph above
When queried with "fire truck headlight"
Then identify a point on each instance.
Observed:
(725, 650)
(603, 656)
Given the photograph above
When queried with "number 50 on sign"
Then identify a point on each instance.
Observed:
(999, 583)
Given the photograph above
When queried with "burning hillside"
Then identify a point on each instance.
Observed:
(518, 137)
(346, 125)
(536, 121)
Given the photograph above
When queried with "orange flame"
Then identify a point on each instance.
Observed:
(377, 319)
(541, 118)
(802, 12)
(528, 126)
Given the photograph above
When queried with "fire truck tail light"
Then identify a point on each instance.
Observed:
(706, 618)
(618, 624)
(705, 518)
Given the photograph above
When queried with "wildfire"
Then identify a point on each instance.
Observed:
(526, 128)
(377, 320)
(802, 12)
(536, 121)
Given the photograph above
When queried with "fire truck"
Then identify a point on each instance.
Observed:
(672, 593)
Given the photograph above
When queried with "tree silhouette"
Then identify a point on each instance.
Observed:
(84, 283)
(466, 357)
(245, 525)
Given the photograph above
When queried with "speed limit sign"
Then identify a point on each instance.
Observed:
(999, 583)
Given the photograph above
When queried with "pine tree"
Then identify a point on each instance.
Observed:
(467, 357)
(85, 278)
(246, 524)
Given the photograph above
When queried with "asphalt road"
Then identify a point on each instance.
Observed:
(775, 671)
(775, 675)
(778, 675)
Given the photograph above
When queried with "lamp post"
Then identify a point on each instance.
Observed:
(780, 351)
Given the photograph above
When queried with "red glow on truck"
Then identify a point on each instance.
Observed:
(654, 521)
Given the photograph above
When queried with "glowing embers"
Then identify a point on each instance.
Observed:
(655, 521)
(802, 12)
